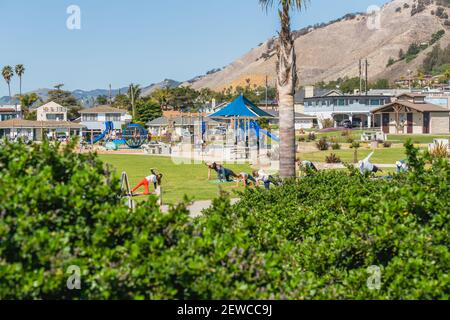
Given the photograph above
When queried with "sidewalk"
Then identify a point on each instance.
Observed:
(197, 207)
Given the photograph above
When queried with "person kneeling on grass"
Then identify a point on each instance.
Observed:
(154, 178)
(266, 178)
(223, 173)
(402, 166)
(307, 167)
(246, 178)
(366, 166)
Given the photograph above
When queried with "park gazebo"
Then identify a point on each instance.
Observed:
(242, 114)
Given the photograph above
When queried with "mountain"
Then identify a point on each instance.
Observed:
(330, 51)
(86, 97)
(167, 83)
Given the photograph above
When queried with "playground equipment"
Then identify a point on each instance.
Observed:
(258, 129)
(109, 126)
(111, 146)
(135, 136)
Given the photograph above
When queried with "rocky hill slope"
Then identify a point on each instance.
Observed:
(332, 51)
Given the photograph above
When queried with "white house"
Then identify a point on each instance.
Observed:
(8, 112)
(94, 119)
(51, 112)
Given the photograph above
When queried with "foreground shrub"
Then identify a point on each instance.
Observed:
(314, 238)
(439, 150)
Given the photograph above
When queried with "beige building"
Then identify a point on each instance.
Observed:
(51, 112)
(39, 130)
(410, 114)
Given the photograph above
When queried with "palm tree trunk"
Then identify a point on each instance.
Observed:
(20, 86)
(9, 90)
(286, 82)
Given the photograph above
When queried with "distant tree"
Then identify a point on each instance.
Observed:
(102, 100)
(8, 73)
(162, 97)
(27, 101)
(134, 92)
(66, 99)
(31, 115)
(391, 61)
(20, 70)
(401, 54)
(147, 110)
(447, 75)
(121, 101)
(380, 84)
(349, 85)
(435, 59)
(62, 97)
(413, 49)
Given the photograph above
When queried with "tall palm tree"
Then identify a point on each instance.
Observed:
(286, 82)
(134, 91)
(7, 74)
(20, 70)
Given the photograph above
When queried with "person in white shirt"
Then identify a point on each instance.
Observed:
(402, 166)
(154, 178)
(266, 178)
(366, 166)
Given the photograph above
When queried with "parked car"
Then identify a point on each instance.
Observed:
(347, 124)
(62, 138)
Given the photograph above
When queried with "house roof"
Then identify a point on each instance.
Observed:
(103, 109)
(297, 115)
(52, 104)
(412, 95)
(161, 121)
(421, 107)
(20, 123)
(7, 110)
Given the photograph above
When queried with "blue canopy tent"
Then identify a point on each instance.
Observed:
(244, 114)
(241, 107)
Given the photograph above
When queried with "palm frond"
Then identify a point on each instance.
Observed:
(291, 4)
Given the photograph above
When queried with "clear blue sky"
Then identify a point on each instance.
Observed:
(140, 41)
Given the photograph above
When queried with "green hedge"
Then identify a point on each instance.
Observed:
(309, 239)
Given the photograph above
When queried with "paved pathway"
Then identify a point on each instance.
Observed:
(197, 207)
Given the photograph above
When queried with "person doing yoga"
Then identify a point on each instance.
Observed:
(223, 174)
(154, 178)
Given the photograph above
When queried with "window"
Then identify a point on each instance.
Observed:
(341, 102)
(113, 117)
(55, 117)
(375, 102)
(90, 117)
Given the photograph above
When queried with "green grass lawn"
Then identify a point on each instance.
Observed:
(399, 138)
(179, 179)
(381, 155)
(416, 138)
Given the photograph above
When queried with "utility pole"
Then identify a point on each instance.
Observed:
(110, 95)
(360, 76)
(267, 91)
(367, 77)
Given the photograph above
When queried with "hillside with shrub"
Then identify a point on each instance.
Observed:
(314, 238)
